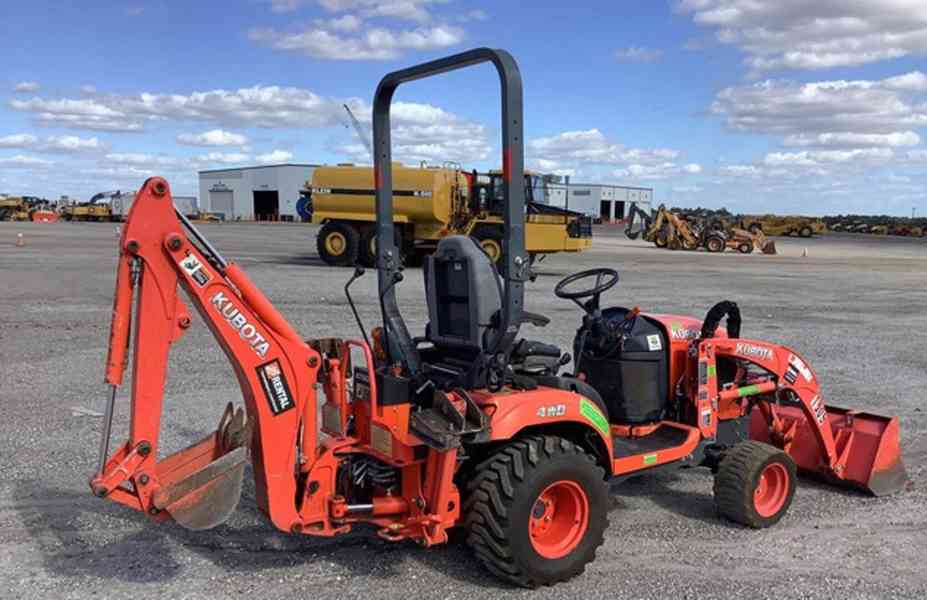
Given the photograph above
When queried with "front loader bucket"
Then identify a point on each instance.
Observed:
(769, 247)
(867, 445)
(201, 485)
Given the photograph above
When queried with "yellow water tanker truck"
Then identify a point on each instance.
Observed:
(430, 203)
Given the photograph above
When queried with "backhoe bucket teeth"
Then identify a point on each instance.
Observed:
(201, 485)
(867, 447)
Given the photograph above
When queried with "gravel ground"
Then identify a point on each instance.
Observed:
(854, 307)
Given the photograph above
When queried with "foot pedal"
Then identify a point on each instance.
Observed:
(448, 420)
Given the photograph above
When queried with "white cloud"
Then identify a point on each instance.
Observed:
(343, 23)
(688, 189)
(572, 148)
(833, 107)
(285, 6)
(70, 144)
(257, 106)
(410, 10)
(426, 132)
(798, 34)
(917, 155)
(639, 54)
(277, 156)
(140, 159)
(815, 158)
(663, 170)
(26, 87)
(222, 157)
(850, 139)
(377, 43)
(22, 161)
(213, 137)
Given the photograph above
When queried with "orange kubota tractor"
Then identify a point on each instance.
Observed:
(467, 425)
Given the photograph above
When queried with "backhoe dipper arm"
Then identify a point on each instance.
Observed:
(275, 369)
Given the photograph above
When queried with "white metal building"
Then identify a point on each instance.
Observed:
(603, 202)
(265, 193)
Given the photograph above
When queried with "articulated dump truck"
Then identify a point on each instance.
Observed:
(431, 203)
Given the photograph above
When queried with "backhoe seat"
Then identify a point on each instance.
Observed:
(464, 293)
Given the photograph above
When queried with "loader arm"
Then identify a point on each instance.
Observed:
(856, 448)
(276, 371)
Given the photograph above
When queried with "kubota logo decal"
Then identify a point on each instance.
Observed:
(239, 323)
(752, 351)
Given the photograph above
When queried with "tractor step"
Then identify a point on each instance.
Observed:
(663, 437)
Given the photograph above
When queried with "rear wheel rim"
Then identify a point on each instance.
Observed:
(335, 243)
(772, 489)
(559, 519)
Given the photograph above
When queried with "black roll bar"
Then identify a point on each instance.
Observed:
(515, 265)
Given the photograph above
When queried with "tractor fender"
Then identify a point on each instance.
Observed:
(559, 411)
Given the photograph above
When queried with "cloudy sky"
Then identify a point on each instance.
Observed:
(757, 105)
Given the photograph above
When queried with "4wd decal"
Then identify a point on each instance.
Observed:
(751, 351)
(275, 387)
(555, 410)
(239, 323)
(591, 412)
(195, 269)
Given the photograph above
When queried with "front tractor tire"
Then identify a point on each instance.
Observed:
(536, 511)
(337, 244)
(755, 484)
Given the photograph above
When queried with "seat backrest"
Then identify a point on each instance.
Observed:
(464, 293)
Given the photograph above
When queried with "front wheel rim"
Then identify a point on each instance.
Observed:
(772, 490)
(559, 519)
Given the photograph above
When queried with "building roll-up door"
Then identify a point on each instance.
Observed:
(221, 202)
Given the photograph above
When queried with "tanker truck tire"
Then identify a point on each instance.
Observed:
(337, 244)
(367, 251)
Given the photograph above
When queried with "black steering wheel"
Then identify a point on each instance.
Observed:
(605, 279)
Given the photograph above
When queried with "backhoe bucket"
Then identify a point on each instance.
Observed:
(201, 485)
(867, 445)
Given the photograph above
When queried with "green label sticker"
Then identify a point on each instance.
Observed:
(749, 390)
(712, 370)
(591, 412)
(650, 459)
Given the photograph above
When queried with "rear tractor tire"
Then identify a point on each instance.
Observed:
(536, 511)
(755, 484)
(805, 232)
